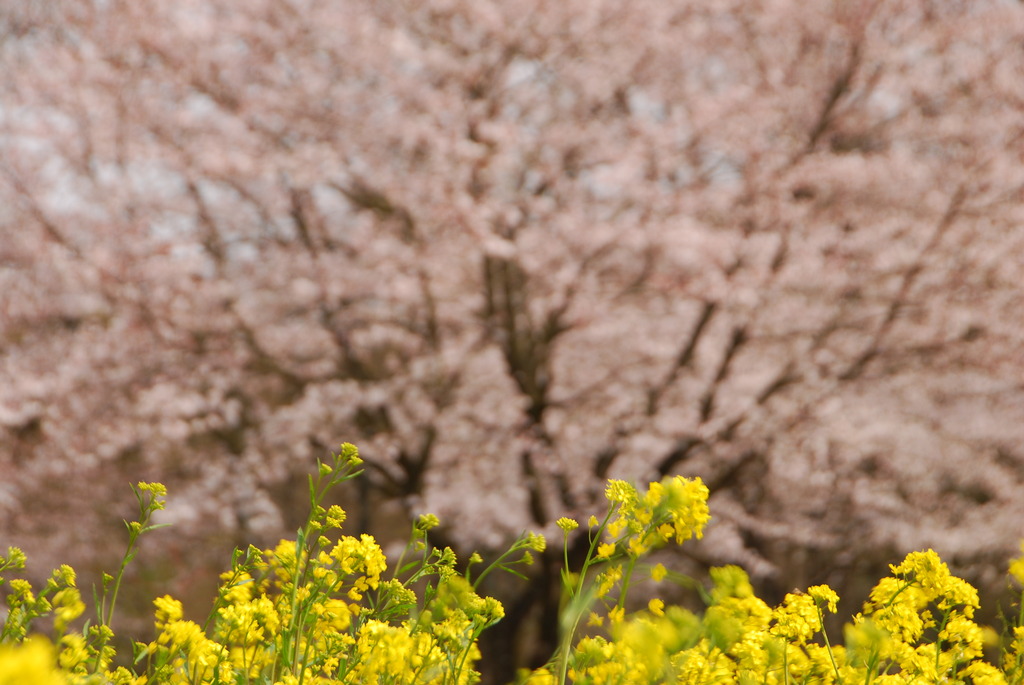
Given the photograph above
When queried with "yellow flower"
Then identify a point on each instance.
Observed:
(655, 493)
(621, 492)
(605, 550)
(636, 548)
(823, 594)
(567, 524)
(607, 579)
(240, 589)
(363, 556)
(15, 558)
(536, 542)
(427, 521)
(658, 573)
(656, 607)
(967, 634)
(168, 609)
(541, 676)
(31, 662)
(984, 674)
(334, 614)
(73, 652)
(335, 516)
(350, 453)
(686, 501)
(67, 606)
(928, 572)
(122, 676)
(21, 593)
(158, 492)
(1017, 566)
(797, 619)
(616, 527)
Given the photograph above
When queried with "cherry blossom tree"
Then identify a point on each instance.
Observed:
(513, 249)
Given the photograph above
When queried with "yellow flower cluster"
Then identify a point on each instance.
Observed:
(315, 610)
(916, 628)
(30, 662)
(321, 610)
(673, 510)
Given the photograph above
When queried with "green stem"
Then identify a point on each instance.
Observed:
(576, 595)
(497, 563)
(828, 645)
(625, 582)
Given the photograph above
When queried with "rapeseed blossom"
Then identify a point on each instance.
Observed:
(797, 620)
(322, 609)
(917, 627)
(31, 662)
(1017, 567)
(315, 609)
(567, 524)
(673, 510)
